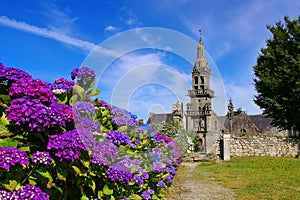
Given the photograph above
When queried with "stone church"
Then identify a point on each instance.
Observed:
(199, 116)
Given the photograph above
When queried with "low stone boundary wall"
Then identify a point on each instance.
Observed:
(264, 146)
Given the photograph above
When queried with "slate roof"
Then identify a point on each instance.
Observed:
(261, 121)
(156, 118)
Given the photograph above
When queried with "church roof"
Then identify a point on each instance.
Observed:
(156, 118)
(261, 121)
(250, 122)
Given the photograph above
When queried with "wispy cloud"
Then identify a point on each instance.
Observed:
(22, 26)
(58, 19)
(241, 94)
(141, 82)
(58, 36)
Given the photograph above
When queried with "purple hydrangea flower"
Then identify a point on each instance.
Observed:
(41, 157)
(125, 120)
(12, 74)
(64, 81)
(66, 146)
(134, 143)
(35, 88)
(118, 172)
(104, 153)
(147, 194)
(29, 192)
(74, 73)
(83, 72)
(4, 194)
(169, 179)
(59, 88)
(61, 115)
(88, 123)
(118, 138)
(157, 167)
(86, 129)
(105, 104)
(117, 111)
(36, 116)
(170, 169)
(121, 171)
(124, 199)
(161, 184)
(10, 156)
(138, 179)
(83, 109)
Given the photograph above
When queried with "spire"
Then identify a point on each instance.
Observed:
(200, 49)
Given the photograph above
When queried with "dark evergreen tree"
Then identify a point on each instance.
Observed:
(277, 75)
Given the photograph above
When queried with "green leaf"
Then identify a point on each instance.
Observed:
(132, 170)
(92, 185)
(8, 142)
(5, 98)
(165, 175)
(74, 99)
(77, 170)
(93, 92)
(100, 194)
(131, 182)
(46, 175)
(27, 148)
(32, 182)
(154, 197)
(112, 198)
(61, 177)
(63, 99)
(86, 163)
(135, 197)
(84, 197)
(78, 90)
(123, 128)
(13, 184)
(56, 187)
(107, 190)
(3, 119)
(92, 83)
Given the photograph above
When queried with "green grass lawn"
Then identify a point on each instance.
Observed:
(256, 177)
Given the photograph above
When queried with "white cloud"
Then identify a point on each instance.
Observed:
(110, 28)
(5, 21)
(241, 94)
(58, 20)
(58, 36)
(140, 82)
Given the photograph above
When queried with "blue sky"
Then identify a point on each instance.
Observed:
(143, 50)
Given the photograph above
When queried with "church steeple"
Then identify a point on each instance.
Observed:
(201, 63)
(200, 49)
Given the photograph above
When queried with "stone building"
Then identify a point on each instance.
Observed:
(199, 116)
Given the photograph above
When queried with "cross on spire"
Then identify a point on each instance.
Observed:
(200, 32)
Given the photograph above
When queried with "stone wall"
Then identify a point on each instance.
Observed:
(264, 146)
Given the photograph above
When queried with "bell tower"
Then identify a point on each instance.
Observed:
(200, 108)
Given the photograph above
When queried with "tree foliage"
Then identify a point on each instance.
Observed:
(277, 75)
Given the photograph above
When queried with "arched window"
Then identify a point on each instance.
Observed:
(201, 80)
(196, 80)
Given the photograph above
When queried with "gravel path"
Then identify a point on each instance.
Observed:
(206, 189)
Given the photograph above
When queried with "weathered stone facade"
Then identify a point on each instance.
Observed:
(201, 119)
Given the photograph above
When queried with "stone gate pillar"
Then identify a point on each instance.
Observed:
(226, 147)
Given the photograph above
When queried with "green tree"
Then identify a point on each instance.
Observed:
(277, 75)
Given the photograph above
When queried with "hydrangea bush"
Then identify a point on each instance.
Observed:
(57, 141)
